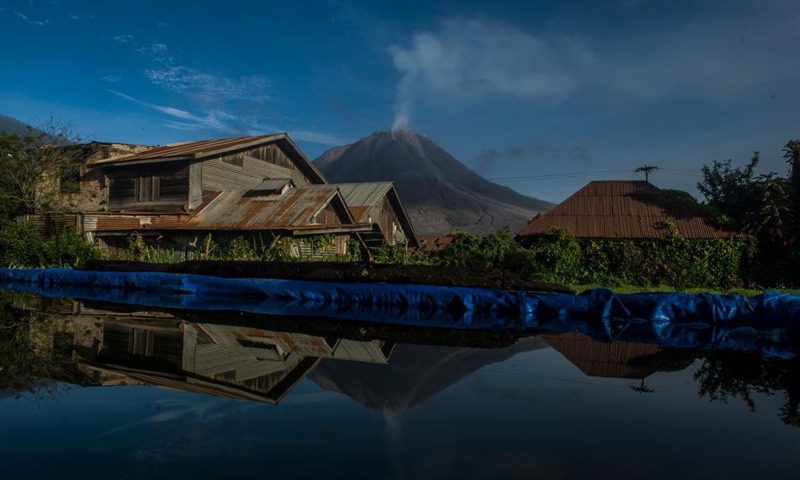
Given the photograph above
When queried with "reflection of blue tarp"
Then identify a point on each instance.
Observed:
(768, 323)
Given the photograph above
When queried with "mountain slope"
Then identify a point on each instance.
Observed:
(415, 373)
(439, 192)
(12, 125)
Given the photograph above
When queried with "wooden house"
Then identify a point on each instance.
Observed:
(377, 204)
(624, 210)
(261, 187)
(109, 347)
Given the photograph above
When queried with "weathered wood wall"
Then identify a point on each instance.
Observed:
(245, 170)
(385, 216)
(127, 183)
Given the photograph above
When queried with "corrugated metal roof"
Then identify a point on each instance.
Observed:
(361, 197)
(195, 150)
(233, 210)
(610, 360)
(625, 210)
(272, 185)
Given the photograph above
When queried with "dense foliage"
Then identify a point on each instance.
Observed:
(766, 206)
(32, 165)
(560, 257)
(21, 246)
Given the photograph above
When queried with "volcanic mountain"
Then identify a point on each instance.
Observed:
(439, 192)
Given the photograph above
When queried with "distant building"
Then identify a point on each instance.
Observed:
(625, 210)
(615, 359)
(262, 187)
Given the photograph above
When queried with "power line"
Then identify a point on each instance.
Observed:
(552, 176)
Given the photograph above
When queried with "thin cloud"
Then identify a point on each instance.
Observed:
(221, 103)
(717, 55)
(209, 121)
(21, 15)
(581, 154)
(470, 59)
(112, 78)
(318, 137)
(516, 153)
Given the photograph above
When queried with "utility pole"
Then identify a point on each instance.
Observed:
(646, 169)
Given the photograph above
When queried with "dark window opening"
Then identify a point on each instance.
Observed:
(147, 188)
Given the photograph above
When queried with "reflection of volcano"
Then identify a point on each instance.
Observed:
(414, 374)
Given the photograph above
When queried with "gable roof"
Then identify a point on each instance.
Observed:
(625, 210)
(611, 360)
(362, 197)
(236, 210)
(209, 148)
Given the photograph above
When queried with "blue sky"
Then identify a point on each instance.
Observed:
(546, 95)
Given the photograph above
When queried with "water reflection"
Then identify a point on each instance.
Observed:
(47, 342)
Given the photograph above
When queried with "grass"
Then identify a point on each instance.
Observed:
(747, 292)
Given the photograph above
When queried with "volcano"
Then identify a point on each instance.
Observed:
(439, 192)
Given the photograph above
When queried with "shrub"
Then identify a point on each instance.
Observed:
(21, 246)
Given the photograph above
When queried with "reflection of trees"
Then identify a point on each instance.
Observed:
(28, 361)
(726, 374)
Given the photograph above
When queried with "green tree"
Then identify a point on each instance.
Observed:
(730, 191)
(31, 165)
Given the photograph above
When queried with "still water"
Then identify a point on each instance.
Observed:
(97, 390)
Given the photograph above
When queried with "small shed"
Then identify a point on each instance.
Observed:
(377, 204)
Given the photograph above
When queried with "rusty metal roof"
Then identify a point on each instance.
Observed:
(611, 360)
(625, 210)
(361, 197)
(195, 150)
(273, 185)
(235, 210)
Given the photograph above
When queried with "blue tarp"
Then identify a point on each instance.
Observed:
(767, 323)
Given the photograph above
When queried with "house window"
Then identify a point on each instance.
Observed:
(70, 181)
(147, 187)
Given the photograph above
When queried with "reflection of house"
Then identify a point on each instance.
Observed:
(612, 360)
(112, 348)
(620, 210)
(262, 187)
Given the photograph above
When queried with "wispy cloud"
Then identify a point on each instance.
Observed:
(112, 78)
(79, 17)
(477, 58)
(536, 150)
(212, 121)
(716, 55)
(30, 20)
(220, 103)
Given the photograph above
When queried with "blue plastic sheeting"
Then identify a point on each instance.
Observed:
(768, 323)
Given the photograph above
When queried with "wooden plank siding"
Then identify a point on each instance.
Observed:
(246, 170)
(157, 188)
(383, 214)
